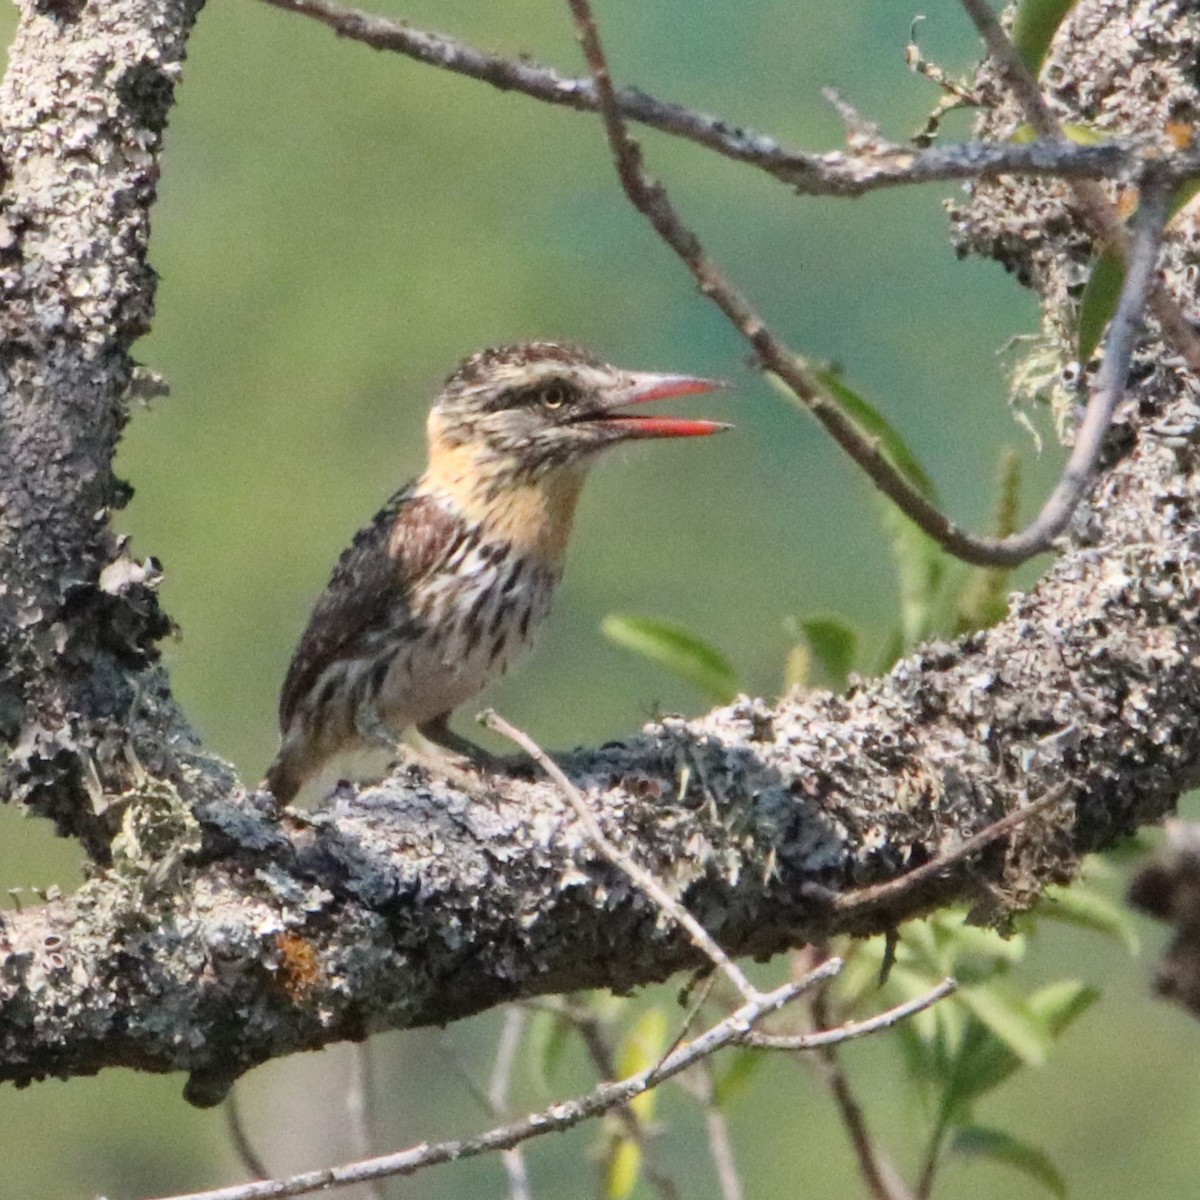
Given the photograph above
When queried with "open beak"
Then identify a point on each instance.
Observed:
(645, 387)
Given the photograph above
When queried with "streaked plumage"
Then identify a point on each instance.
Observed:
(441, 592)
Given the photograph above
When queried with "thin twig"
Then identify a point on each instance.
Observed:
(815, 174)
(638, 875)
(589, 1026)
(832, 174)
(720, 1144)
(358, 1112)
(851, 1029)
(497, 1095)
(870, 1161)
(651, 199)
(1093, 206)
(704, 990)
(1109, 387)
(243, 1146)
(932, 1160)
(883, 893)
(558, 1117)
(493, 1099)
(454, 1060)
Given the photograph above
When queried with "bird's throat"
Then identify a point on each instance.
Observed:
(533, 515)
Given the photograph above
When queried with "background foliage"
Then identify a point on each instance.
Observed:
(336, 228)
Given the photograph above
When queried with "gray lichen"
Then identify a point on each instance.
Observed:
(216, 933)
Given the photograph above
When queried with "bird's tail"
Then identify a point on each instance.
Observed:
(288, 772)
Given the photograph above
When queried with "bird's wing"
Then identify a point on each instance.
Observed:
(404, 542)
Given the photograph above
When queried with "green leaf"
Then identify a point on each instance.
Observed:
(920, 568)
(891, 652)
(1103, 288)
(919, 560)
(1059, 1005)
(624, 1169)
(797, 668)
(971, 953)
(984, 597)
(942, 1027)
(983, 1063)
(1034, 26)
(834, 645)
(1087, 909)
(919, 1060)
(677, 651)
(1081, 135)
(1127, 850)
(1010, 1018)
(734, 1080)
(996, 1146)
(640, 1049)
(877, 425)
(548, 1037)
(1099, 302)
(923, 949)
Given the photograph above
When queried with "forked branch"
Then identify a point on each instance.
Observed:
(651, 199)
(734, 1029)
(832, 174)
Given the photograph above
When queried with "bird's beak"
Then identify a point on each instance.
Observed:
(644, 387)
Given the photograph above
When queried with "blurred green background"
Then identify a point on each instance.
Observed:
(336, 228)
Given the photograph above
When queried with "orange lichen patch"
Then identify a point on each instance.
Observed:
(1127, 202)
(299, 970)
(1181, 133)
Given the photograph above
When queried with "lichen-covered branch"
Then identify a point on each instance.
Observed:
(82, 111)
(415, 903)
(217, 933)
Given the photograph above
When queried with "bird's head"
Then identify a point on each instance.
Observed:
(522, 412)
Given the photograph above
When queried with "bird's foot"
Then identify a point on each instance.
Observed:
(452, 750)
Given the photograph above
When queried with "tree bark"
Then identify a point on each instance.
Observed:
(216, 933)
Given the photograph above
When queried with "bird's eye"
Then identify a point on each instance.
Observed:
(553, 396)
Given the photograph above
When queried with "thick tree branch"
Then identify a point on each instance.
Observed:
(222, 934)
(82, 113)
(415, 903)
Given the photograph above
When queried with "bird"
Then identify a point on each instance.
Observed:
(445, 587)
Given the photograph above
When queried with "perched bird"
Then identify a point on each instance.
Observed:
(442, 590)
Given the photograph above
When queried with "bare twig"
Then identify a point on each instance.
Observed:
(358, 1112)
(704, 990)
(1109, 387)
(243, 1146)
(815, 174)
(587, 1023)
(832, 174)
(720, 1145)
(851, 1029)
(637, 874)
(493, 1099)
(871, 1166)
(651, 199)
(558, 1117)
(454, 1060)
(1093, 206)
(1025, 87)
(497, 1095)
(931, 1162)
(883, 893)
